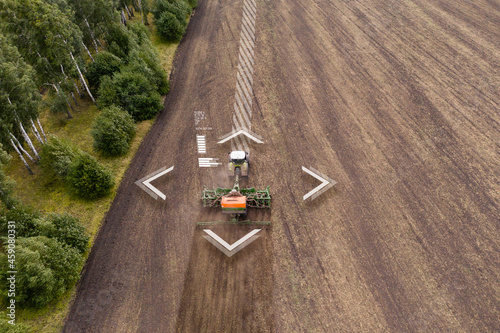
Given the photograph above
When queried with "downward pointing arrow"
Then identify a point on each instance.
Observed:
(326, 183)
(230, 250)
(145, 182)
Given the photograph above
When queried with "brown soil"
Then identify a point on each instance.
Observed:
(396, 100)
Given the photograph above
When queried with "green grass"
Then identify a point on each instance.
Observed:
(55, 197)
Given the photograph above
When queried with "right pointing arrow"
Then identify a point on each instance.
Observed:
(326, 183)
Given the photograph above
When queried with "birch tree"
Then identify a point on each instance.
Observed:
(19, 99)
(47, 37)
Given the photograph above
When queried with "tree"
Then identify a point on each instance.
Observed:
(105, 64)
(169, 27)
(46, 36)
(89, 179)
(19, 99)
(67, 230)
(27, 221)
(119, 41)
(6, 183)
(179, 8)
(45, 270)
(113, 130)
(57, 156)
(132, 92)
(94, 18)
(144, 59)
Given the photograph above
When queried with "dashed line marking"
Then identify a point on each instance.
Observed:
(243, 94)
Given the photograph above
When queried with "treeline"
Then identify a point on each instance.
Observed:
(53, 54)
(79, 48)
(46, 250)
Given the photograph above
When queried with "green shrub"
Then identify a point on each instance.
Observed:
(119, 41)
(88, 178)
(193, 3)
(56, 156)
(6, 183)
(45, 269)
(59, 103)
(105, 63)
(179, 8)
(146, 62)
(67, 230)
(27, 221)
(141, 33)
(132, 92)
(169, 27)
(113, 130)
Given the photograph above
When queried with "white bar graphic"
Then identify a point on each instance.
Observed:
(208, 162)
(202, 144)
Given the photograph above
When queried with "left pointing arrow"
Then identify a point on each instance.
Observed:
(145, 182)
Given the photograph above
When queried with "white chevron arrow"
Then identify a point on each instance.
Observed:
(230, 250)
(145, 182)
(326, 183)
(236, 132)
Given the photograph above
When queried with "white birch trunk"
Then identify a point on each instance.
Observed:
(27, 139)
(88, 52)
(128, 12)
(83, 79)
(22, 158)
(74, 99)
(35, 131)
(92, 36)
(124, 19)
(41, 129)
(78, 90)
(139, 3)
(21, 148)
(25, 135)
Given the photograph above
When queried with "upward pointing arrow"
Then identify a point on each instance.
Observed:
(326, 183)
(236, 132)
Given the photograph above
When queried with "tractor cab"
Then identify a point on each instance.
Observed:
(238, 163)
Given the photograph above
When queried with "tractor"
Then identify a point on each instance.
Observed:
(235, 201)
(238, 163)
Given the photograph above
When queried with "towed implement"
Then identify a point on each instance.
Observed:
(236, 201)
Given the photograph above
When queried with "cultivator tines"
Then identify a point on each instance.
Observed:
(212, 198)
(256, 198)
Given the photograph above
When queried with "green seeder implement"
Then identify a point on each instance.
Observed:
(255, 198)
